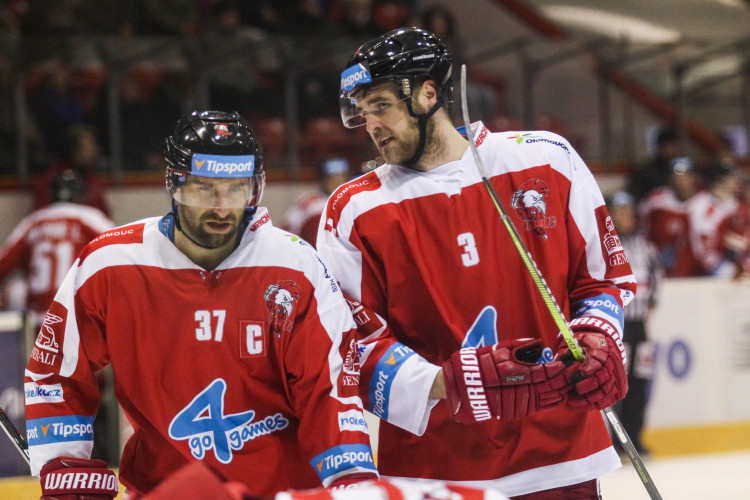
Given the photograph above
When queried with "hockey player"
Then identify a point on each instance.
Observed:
(664, 214)
(419, 242)
(230, 342)
(45, 243)
(718, 245)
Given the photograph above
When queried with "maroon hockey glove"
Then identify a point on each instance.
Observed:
(601, 380)
(71, 478)
(503, 381)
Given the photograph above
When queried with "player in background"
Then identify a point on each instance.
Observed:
(664, 215)
(418, 242)
(303, 216)
(230, 342)
(649, 272)
(717, 245)
(45, 243)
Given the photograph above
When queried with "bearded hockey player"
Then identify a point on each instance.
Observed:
(418, 241)
(226, 337)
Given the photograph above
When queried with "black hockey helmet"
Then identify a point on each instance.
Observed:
(400, 56)
(68, 186)
(214, 144)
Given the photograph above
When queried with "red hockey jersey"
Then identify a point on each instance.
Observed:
(710, 221)
(251, 367)
(45, 244)
(429, 253)
(666, 222)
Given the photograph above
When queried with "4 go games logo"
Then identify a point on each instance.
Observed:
(205, 426)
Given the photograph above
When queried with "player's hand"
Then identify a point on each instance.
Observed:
(504, 381)
(71, 478)
(601, 379)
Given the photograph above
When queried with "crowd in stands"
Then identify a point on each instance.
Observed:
(167, 56)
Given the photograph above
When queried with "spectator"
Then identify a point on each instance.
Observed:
(303, 217)
(481, 97)
(79, 152)
(54, 104)
(655, 173)
(234, 53)
(648, 271)
(358, 18)
(167, 17)
(664, 215)
(715, 243)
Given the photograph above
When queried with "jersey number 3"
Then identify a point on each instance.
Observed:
(470, 257)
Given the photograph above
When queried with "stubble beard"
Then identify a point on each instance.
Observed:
(407, 145)
(192, 225)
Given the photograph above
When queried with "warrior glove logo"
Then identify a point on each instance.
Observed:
(480, 408)
(528, 202)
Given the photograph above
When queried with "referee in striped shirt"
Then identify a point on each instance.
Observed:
(648, 271)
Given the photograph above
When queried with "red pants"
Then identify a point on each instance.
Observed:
(581, 491)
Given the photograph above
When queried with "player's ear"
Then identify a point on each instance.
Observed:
(428, 90)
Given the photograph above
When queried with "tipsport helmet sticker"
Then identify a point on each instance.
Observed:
(353, 76)
(221, 166)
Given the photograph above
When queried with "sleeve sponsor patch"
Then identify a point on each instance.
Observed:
(382, 379)
(35, 394)
(117, 236)
(352, 420)
(59, 429)
(341, 458)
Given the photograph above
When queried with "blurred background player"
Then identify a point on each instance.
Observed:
(418, 242)
(717, 245)
(80, 152)
(646, 265)
(664, 216)
(41, 249)
(303, 216)
(44, 244)
(656, 172)
(229, 342)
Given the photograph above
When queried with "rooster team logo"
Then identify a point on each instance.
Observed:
(222, 129)
(528, 202)
(281, 299)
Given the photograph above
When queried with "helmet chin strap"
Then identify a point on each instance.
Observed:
(422, 121)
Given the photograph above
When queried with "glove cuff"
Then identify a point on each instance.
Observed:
(599, 325)
(464, 387)
(75, 476)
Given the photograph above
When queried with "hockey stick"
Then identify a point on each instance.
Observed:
(548, 298)
(13, 434)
